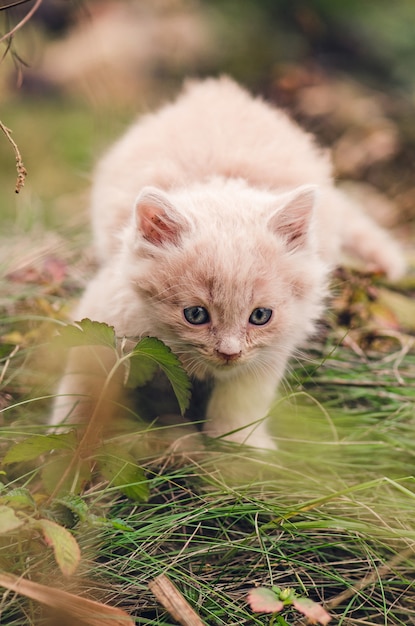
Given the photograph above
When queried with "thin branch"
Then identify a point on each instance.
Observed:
(13, 4)
(22, 22)
(21, 170)
(172, 600)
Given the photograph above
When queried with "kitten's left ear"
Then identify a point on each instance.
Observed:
(157, 218)
(292, 221)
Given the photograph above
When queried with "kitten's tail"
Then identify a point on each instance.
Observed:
(359, 235)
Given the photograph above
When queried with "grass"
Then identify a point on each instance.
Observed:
(330, 514)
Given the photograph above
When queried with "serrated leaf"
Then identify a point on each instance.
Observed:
(65, 547)
(19, 498)
(8, 520)
(153, 351)
(86, 333)
(119, 468)
(141, 370)
(31, 448)
(312, 610)
(263, 600)
(75, 504)
(56, 467)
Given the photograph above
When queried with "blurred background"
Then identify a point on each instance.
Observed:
(79, 71)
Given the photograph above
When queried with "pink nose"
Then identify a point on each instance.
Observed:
(228, 357)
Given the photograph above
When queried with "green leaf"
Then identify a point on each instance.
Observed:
(33, 447)
(19, 498)
(141, 369)
(8, 520)
(75, 504)
(119, 468)
(65, 547)
(119, 524)
(56, 467)
(86, 333)
(150, 353)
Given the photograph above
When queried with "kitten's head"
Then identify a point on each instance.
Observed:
(230, 276)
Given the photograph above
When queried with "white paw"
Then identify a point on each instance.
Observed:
(255, 436)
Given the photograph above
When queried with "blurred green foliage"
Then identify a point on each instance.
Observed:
(60, 137)
(374, 39)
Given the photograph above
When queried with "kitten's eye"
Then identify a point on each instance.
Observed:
(260, 316)
(196, 315)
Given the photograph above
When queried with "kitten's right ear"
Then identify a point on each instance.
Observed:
(157, 218)
(293, 220)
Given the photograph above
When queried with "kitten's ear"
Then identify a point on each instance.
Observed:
(292, 220)
(157, 218)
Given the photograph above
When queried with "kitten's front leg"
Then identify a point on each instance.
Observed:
(238, 407)
(88, 387)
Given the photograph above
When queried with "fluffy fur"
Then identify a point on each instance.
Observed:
(221, 205)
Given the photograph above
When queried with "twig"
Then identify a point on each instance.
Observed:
(22, 22)
(170, 597)
(13, 4)
(7, 363)
(21, 170)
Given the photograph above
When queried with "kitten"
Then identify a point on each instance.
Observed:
(217, 223)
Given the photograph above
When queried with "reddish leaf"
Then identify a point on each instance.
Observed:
(263, 600)
(65, 547)
(314, 611)
(54, 270)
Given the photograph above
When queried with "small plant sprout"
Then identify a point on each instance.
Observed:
(274, 599)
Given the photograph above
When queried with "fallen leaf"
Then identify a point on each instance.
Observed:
(88, 611)
(263, 600)
(54, 269)
(402, 307)
(65, 546)
(312, 610)
(51, 270)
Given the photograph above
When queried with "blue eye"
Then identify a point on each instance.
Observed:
(260, 316)
(196, 315)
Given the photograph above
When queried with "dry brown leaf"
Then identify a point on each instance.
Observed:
(87, 611)
(402, 307)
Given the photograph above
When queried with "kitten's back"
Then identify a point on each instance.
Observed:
(215, 128)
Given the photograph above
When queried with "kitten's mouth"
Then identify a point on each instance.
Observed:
(225, 365)
(209, 364)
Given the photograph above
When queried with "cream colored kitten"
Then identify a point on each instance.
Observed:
(216, 222)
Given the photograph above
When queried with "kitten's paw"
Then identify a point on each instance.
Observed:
(380, 253)
(255, 437)
(390, 260)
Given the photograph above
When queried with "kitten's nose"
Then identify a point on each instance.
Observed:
(234, 356)
(228, 348)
